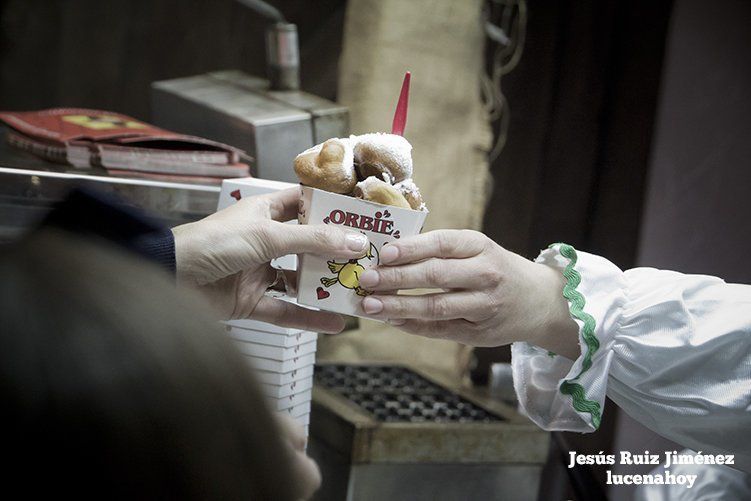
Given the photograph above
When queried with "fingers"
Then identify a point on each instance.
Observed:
(279, 206)
(457, 244)
(284, 314)
(431, 273)
(282, 239)
(438, 306)
(283, 205)
(459, 330)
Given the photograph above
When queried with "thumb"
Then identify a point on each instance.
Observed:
(316, 239)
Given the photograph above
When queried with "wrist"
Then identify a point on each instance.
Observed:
(555, 331)
(184, 271)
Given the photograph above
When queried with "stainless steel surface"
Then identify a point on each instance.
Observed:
(29, 185)
(446, 482)
(478, 447)
(241, 110)
(270, 131)
(329, 119)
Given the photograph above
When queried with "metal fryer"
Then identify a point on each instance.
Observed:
(391, 432)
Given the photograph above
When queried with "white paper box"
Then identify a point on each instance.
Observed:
(290, 401)
(297, 410)
(237, 188)
(266, 364)
(269, 338)
(280, 379)
(255, 325)
(279, 391)
(303, 420)
(276, 352)
(333, 284)
(244, 187)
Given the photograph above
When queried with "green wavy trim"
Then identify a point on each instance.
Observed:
(576, 307)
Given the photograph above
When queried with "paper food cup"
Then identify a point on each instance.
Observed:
(333, 284)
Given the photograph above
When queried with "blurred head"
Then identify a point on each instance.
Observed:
(113, 385)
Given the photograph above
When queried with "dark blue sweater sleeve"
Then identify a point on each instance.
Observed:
(102, 215)
(159, 246)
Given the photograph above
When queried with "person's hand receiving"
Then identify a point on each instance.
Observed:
(226, 256)
(490, 296)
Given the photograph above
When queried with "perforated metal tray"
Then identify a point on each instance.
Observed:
(397, 394)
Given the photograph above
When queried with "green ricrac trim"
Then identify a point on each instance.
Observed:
(576, 308)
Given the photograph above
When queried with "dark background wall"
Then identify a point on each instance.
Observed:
(696, 217)
(582, 102)
(106, 53)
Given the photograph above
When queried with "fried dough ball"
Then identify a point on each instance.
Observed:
(375, 190)
(328, 166)
(385, 156)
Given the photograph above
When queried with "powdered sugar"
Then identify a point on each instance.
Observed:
(369, 183)
(408, 186)
(391, 146)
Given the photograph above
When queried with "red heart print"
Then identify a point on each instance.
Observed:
(236, 195)
(322, 294)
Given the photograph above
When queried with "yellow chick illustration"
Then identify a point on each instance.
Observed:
(348, 274)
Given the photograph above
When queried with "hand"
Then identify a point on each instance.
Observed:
(305, 471)
(490, 296)
(226, 256)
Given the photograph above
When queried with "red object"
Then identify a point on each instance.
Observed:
(400, 116)
(121, 144)
(322, 294)
(236, 195)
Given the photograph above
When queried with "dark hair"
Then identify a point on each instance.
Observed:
(113, 385)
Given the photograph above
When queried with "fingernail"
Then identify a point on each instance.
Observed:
(372, 305)
(369, 278)
(356, 241)
(389, 253)
(396, 321)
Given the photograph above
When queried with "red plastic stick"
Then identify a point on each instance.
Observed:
(400, 116)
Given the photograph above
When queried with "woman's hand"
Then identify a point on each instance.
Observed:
(490, 296)
(226, 256)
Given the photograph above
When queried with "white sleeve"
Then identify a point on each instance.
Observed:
(712, 481)
(672, 350)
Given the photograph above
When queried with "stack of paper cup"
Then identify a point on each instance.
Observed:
(282, 358)
(283, 362)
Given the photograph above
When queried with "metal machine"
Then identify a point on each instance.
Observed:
(273, 126)
(270, 119)
(390, 432)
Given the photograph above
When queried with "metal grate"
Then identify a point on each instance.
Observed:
(396, 394)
